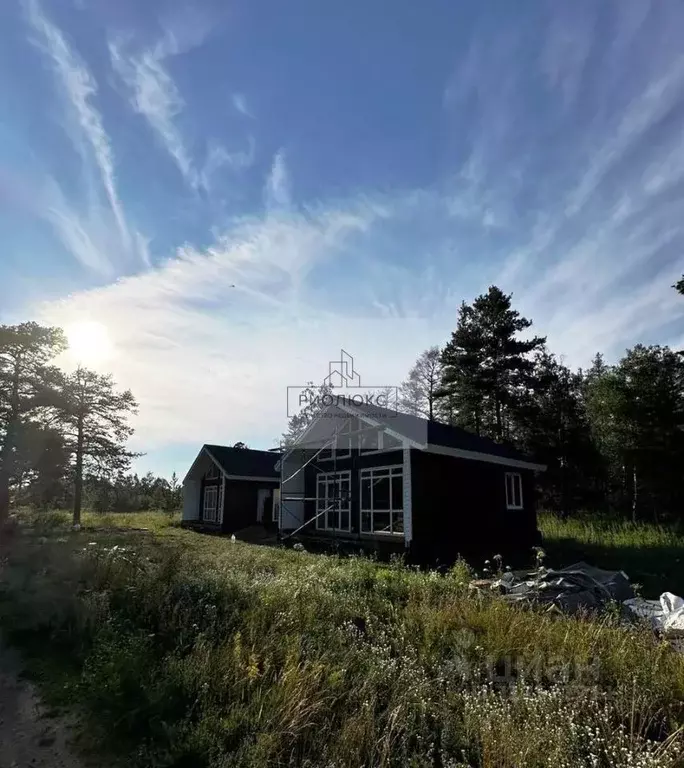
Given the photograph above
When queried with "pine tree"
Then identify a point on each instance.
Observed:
(487, 368)
(25, 375)
(553, 427)
(94, 419)
(679, 286)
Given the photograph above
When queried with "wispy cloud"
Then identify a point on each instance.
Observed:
(277, 191)
(218, 158)
(155, 96)
(240, 104)
(94, 230)
(80, 88)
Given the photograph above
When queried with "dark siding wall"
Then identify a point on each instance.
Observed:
(240, 503)
(459, 508)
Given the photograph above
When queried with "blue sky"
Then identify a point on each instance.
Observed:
(234, 191)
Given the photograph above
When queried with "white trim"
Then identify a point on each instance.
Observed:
(202, 451)
(221, 500)
(408, 507)
(489, 458)
(391, 469)
(344, 474)
(510, 503)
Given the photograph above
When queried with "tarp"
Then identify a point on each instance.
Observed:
(577, 587)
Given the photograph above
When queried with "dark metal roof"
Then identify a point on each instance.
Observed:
(436, 433)
(245, 461)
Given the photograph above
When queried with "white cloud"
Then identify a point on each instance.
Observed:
(277, 193)
(99, 236)
(209, 342)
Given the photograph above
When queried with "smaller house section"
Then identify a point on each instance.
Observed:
(229, 489)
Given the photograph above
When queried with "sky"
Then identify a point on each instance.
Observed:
(218, 196)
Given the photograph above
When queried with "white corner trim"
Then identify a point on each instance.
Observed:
(408, 511)
(489, 458)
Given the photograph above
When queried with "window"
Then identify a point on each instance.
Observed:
(212, 472)
(340, 444)
(514, 498)
(382, 500)
(333, 499)
(210, 504)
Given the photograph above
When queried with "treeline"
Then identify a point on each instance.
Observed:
(612, 436)
(63, 435)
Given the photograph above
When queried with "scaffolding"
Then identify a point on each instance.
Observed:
(338, 498)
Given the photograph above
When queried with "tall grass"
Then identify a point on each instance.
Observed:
(652, 556)
(187, 650)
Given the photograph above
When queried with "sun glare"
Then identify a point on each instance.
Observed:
(89, 342)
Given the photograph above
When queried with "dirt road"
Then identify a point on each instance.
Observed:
(28, 738)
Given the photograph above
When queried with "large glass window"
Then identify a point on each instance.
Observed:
(333, 501)
(382, 500)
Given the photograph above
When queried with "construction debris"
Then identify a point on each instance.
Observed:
(666, 614)
(577, 587)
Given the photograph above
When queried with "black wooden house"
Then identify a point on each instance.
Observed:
(371, 478)
(229, 489)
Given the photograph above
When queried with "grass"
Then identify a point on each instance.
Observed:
(652, 556)
(186, 650)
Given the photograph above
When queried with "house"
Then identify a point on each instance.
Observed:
(228, 489)
(392, 482)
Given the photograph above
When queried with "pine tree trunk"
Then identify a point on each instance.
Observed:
(78, 480)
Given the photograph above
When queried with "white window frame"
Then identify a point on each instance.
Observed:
(210, 513)
(332, 452)
(212, 473)
(322, 520)
(368, 472)
(513, 481)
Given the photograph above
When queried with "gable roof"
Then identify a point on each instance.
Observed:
(436, 437)
(436, 433)
(244, 462)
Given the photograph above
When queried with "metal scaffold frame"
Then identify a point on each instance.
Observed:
(311, 461)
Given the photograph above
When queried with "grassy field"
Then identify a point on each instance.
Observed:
(653, 557)
(180, 649)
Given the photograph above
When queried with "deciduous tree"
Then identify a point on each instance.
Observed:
(418, 393)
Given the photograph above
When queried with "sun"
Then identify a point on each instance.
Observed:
(89, 342)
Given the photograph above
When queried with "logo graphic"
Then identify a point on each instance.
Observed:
(342, 386)
(341, 372)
